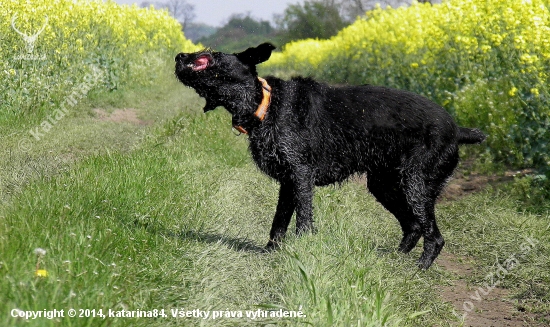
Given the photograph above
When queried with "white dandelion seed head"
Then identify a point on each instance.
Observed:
(40, 251)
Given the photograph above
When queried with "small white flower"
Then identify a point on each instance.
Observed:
(40, 251)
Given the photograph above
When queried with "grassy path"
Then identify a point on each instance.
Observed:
(172, 215)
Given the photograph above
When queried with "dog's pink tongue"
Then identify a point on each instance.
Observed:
(201, 63)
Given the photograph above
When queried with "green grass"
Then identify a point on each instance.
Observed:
(80, 134)
(175, 217)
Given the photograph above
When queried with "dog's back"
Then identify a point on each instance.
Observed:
(357, 129)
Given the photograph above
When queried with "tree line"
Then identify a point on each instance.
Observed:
(310, 19)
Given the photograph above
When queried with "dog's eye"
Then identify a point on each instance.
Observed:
(201, 63)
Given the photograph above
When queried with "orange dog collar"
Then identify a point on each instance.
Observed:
(264, 105)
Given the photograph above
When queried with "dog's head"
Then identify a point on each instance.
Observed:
(219, 76)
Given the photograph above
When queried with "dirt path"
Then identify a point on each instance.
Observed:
(463, 184)
(480, 306)
(129, 115)
(475, 305)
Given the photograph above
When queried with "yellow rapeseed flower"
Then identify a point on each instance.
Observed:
(41, 273)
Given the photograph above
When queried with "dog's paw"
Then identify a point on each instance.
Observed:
(272, 246)
(306, 228)
(430, 253)
(408, 242)
(424, 262)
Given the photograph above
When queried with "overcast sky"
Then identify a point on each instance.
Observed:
(216, 12)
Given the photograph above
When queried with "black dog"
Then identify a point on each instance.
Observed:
(304, 134)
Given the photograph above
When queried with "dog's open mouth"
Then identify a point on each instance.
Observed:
(201, 63)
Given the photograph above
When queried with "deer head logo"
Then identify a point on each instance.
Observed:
(29, 39)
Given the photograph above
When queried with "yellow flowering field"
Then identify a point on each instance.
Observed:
(485, 61)
(47, 47)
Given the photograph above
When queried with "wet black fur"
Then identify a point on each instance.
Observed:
(316, 134)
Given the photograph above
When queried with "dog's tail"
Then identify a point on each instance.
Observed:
(470, 136)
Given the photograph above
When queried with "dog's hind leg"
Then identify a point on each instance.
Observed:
(387, 190)
(433, 240)
(283, 215)
(432, 183)
(421, 195)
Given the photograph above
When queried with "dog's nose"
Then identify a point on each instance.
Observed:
(180, 56)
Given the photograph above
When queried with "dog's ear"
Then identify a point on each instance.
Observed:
(254, 56)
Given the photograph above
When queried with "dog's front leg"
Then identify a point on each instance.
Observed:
(303, 196)
(285, 209)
